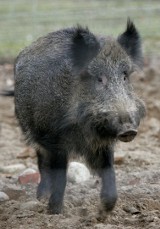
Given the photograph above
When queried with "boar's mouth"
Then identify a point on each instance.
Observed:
(127, 136)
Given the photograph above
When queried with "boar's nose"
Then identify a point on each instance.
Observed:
(128, 135)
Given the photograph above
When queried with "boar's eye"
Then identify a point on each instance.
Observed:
(100, 79)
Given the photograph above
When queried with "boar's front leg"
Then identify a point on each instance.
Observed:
(106, 171)
(53, 167)
(103, 163)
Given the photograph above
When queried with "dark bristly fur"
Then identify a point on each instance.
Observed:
(83, 42)
(131, 42)
(73, 96)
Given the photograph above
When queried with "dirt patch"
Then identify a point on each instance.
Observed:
(138, 177)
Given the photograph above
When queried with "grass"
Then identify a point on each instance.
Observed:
(22, 21)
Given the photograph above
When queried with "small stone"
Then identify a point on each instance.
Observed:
(9, 82)
(32, 206)
(24, 154)
(28, 171)
(131, 209)
(119, 158)
(14, 192)
(28, 152)
(3, 196)
(78, 172)
(12, 168)
(29, 176)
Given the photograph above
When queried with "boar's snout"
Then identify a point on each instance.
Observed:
(128, 127)
(121, 126)
(127, 135)
(127, 124)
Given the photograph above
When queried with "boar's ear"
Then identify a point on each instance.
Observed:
(84, 48)
(130, 40)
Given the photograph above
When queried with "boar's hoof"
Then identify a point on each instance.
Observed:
(55, 207)
(108, 203)
(55, 210)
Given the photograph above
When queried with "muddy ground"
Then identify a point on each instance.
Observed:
(138, 174)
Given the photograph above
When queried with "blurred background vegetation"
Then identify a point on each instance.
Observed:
(23, 21)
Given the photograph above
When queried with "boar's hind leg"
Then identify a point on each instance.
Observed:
(104, 166)
(52, 166)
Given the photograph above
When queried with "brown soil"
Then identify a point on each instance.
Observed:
(138, 177)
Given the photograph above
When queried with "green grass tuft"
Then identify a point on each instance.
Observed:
(22, 21)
